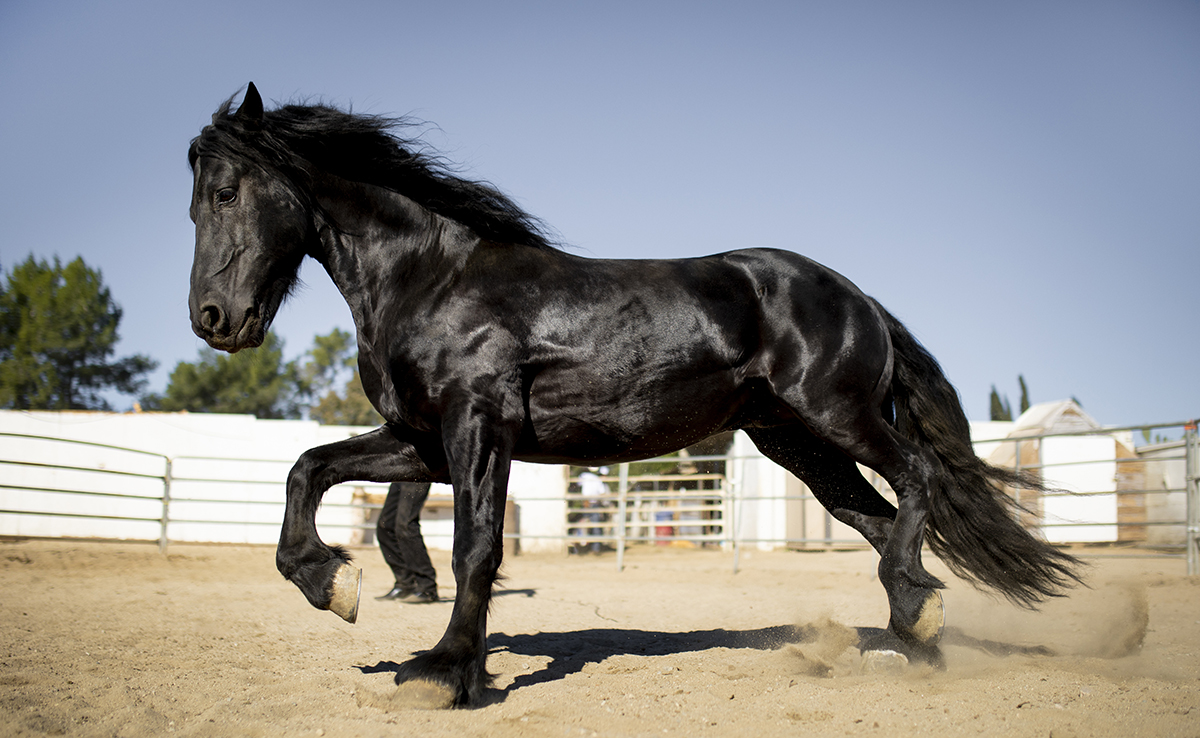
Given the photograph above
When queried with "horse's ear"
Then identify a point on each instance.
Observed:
(251, 111)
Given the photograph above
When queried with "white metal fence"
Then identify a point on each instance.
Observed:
(59, 487)
(1106, 488)
(1102, 487)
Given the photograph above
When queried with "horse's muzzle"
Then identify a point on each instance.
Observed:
(212, 323)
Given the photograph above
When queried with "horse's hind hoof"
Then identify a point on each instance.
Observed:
(931, 621)
(422, 694)
(344, 592)
(883, 661)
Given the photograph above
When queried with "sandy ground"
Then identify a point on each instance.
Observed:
(118, 640)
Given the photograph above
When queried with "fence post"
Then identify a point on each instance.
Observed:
(735, 518)
(622, 498)
(166, 507)
(1191, 470)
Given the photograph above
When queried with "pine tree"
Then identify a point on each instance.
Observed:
(253, 381)
(331, 358)
(58, 333)
(1001, 410)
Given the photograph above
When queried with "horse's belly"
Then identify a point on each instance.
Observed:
(592, 422)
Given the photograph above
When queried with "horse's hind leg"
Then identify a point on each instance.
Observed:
(913, 472)
(823, 458)
(837, 484)
(833, 478)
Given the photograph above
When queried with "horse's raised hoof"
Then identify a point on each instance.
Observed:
(344, 592)
(884, 661)
(422, 694)
(931, 621)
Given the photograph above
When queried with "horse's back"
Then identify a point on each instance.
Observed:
(655, 355)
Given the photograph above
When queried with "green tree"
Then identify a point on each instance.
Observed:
(1001, 410)
(58, 332)
(333, 361)
(259, 382)
(253, 381)
(1024, 392)
(331, 357)
(349, 407)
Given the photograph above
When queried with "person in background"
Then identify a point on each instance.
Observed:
(593, 489)
(403, 547)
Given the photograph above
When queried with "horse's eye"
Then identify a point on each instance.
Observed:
(226, 196)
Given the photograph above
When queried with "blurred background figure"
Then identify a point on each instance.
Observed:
(403, 547)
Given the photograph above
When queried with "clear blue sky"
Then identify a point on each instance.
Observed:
(1019, 182)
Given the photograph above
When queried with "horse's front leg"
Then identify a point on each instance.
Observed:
(479, 450)
(322, 572)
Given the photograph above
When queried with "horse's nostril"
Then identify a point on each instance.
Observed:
(211, 317)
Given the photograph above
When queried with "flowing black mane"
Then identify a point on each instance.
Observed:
(295, 140)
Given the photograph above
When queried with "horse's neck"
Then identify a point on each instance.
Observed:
(378, 245)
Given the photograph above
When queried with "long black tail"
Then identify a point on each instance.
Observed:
(973, 524)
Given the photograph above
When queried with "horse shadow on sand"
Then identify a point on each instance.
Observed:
(570, 652)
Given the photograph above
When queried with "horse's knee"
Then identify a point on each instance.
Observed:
(306, 472)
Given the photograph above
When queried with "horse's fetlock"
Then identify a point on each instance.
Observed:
(907, 577)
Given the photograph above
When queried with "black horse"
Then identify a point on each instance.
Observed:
(480, 343)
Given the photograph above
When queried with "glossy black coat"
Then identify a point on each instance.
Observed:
(480, 343)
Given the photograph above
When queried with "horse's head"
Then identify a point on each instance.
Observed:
(252, 231)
